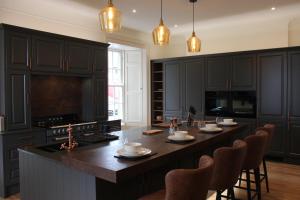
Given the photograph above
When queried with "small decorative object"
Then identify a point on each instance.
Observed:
(159, 117)
(171, 129)
(190, 118)
(2, 123)
(71, 144)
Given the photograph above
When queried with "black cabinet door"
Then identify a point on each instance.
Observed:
(294, 85)
(218, 71)
(78, 58)
(243, 75)
(294, 138)
(18, 108)
(48, 54)
(100, 61)
(193, 87)
(279, 141)
(172, 89)
(18, 50)
(101, 98)
(272, 85)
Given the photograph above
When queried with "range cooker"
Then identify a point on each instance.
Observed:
(56, 129)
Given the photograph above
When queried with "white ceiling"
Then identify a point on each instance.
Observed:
(180, 11)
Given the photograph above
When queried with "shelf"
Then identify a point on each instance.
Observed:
(157, 100)
(157, 81)
(157, 72)
(157, 110)
(157, 91)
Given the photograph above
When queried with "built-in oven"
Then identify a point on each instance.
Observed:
(241, 104)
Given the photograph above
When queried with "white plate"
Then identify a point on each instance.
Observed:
(139, 153)
(209, 130)
(228, 124)
(186, 138)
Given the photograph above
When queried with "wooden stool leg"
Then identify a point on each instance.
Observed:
(240, 179)
(232, 195)
(257, 182)
(266, 174)
(248, 185)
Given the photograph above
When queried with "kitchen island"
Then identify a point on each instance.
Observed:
(92, 172)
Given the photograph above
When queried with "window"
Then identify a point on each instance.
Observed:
(115, 84)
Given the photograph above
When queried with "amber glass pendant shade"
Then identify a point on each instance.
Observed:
(110, 18)
(161, 34)
(194, 43)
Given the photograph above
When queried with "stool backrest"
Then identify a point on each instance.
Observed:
(270, 128)
(190, 184)
(228, 165)
(256, 145)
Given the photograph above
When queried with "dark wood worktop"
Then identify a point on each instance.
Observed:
(98, 160)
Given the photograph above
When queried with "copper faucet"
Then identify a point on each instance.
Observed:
(72, 144)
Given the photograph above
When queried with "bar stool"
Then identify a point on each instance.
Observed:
(270, 129)
(256, 145)
(228, 165)
(186, 184)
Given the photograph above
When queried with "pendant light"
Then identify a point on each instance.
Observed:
(110, 18)
(161, 34)
(194, 43)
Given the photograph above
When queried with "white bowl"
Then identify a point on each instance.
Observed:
(180, 134)
(211, 126)
(227, 121)
(132, 147)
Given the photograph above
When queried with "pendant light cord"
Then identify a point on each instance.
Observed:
(161, 5)
(193, 16)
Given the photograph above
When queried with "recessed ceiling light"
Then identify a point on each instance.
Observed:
(134, 10)
(273, 8)
(175, 26)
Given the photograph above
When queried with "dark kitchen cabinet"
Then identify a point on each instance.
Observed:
(18, 49)
(243, 73)
(101, 98)
(9, 170)
(218, 71)
(172, 89)
(293, 139)
(100, 61)
(17, 98)
(272, 85)
(78, 58)
(193, 87)
(47, 54)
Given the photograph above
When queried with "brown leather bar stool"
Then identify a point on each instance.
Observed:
(270, 128)
(186, 184)
(228, 165)
(256, 145)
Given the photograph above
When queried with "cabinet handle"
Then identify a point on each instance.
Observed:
(230, 83)
(27, 98)
(30, 63)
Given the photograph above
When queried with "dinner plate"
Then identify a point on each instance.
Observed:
(141, 152)
(209, 130)
(228, 124)
(186, 138)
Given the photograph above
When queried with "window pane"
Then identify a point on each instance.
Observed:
(117, 77)
(110, 59)
(115, 102)
(117, 59)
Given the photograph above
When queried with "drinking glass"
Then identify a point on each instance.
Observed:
(219, 120)
(201, 124)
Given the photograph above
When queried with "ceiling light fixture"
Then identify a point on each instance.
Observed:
(110, 18)
(175, 26)
(161, 34)
(273, 8)
(194, 43)
(134, 10)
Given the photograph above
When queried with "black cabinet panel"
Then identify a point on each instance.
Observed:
(78, 58)
(294, 84)
(18, 115)
(48, 54)
(18, 48)
(193, 90)
(100, 61)
(294, 138)
(218, 70)
(243, 72)
(101, 98)
(172, 88)
(272, 84)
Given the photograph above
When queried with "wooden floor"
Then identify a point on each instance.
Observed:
(284, 184)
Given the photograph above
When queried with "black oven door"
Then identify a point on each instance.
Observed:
(244, 104)
(217, 104)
